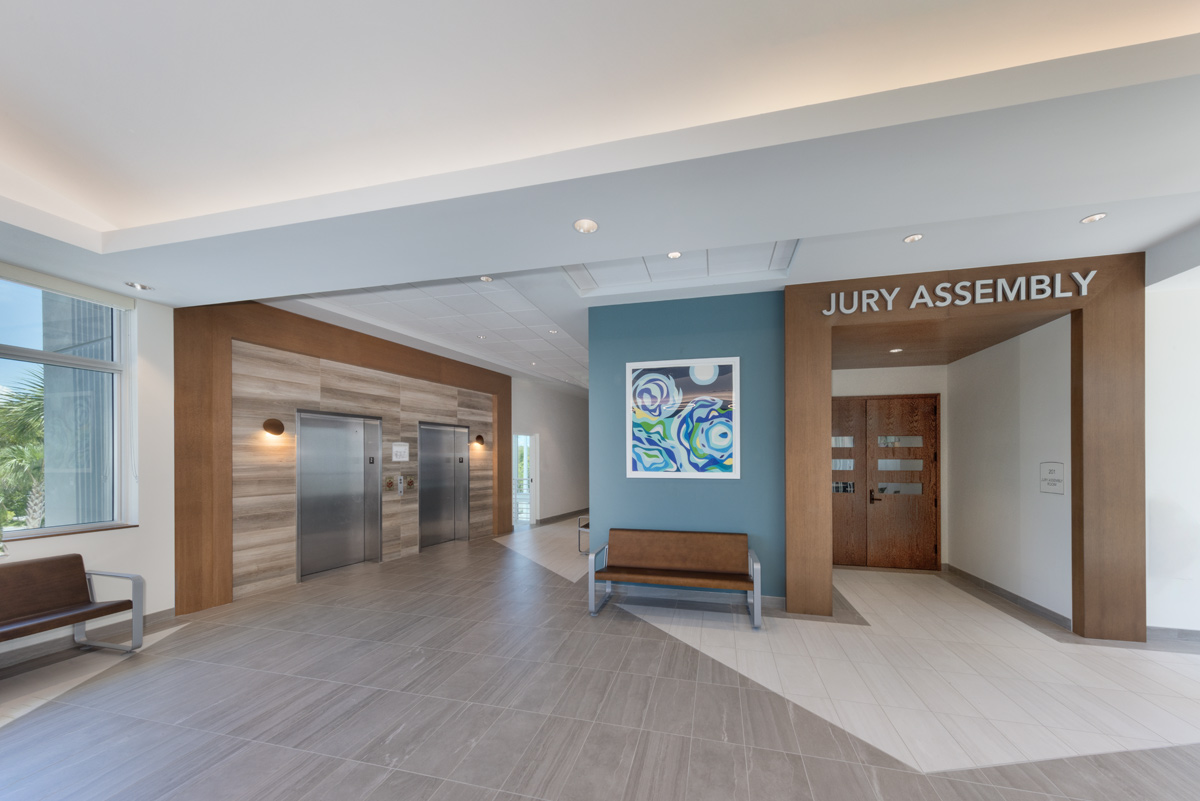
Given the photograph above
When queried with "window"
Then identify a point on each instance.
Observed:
(61, 384)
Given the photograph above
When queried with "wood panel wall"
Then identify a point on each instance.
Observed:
(204, 425)
(1108, 419)
(274, 383)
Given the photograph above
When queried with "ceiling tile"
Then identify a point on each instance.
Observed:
(740, 259)
(510, 301)
(621, 272)
(494, 320)
(398, 293)
(522, 334)
(426, 307)
(539, 344)
(533, 317)
(469, 303)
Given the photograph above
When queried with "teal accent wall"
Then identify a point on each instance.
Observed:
(747, 326)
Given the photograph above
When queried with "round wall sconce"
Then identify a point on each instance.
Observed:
(479, 439)
(273, 427)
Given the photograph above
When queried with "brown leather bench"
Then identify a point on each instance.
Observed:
(707, 559)
(38, 595)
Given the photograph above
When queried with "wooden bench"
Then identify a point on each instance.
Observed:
(678, 559)
(38, 595)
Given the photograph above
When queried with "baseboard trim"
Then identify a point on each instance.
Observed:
(50, 651)
(1161, 633)
(545, 521)
(1024, 603)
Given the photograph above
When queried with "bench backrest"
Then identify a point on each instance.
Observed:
(35, 586)
(704, 551)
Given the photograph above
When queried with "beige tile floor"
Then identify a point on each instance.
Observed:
(473, 672)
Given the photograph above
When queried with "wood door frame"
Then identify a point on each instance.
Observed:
(1108, 482)
(937, 400)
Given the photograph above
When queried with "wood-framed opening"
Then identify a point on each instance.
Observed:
(1104, 297)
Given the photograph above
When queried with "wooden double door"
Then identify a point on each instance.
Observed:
(885, 482)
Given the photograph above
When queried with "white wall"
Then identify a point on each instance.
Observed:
(149, 548)
(1172, 458)
(927, 380)
(1012, 411)
(560, 419)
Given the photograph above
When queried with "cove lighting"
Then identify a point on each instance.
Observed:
(1091, 218)
(139, 287)
(895, 350)
(674, 254)
(908, 240)
(586, 226)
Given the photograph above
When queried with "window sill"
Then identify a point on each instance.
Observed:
(44, 533)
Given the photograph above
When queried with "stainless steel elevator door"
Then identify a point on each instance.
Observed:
(337, 467)
(443, 466)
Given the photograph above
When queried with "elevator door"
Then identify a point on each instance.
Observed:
(443, 466)
(885, 482)
(338, 488)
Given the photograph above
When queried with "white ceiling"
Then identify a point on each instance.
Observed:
(227, 150)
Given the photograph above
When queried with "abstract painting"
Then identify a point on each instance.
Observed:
(681, 419)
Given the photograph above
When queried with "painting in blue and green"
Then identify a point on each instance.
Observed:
(682, 419)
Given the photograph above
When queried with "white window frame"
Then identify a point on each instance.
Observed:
(123, 398)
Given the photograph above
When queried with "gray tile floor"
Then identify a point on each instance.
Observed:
(471, 673)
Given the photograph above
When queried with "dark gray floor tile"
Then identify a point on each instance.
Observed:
(474, 671)
(660, 768)
(573, 650)
(816, 737)
(321, 778)
(897, 785)
(419, 670)
(718, 714)
(831, 780)
(505, 685)
(869, 754)
(439, 753)
(672, 707)
(479, 637)
(263, 704)
(627, 700)
(339, 662)
(953, 790)
(1026, 776)
(543, 769)
(775, 775)
(679, 661)
(717, 772)
(585, 694)
(607, 652)
(407, 786)
(452, 791)
(1023, 795)
(375, 717)
(643, 656)
(244, 774)
(541, 645)
(407, 733)
(767, 722)
(710, 671)
(546, 686)
(497, 751)
(602, 768)
(1076, 778)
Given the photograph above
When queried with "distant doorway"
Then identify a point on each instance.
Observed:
(885, 482)
(525, 478)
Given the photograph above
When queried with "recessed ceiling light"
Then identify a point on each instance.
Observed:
(1091, 218)
(553, 330)
(895, 350)
(908, 240)
(533, 364)
(674, 254)
(139, 287)
(480, 336)
(586, 226)
(487, 279)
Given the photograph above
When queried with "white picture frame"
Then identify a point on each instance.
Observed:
(682, 418)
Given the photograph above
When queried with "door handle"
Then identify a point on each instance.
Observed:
(872, 498)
